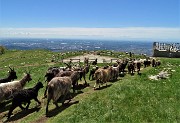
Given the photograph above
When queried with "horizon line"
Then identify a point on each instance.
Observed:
(128, 33)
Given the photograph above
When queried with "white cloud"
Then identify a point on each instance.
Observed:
(128, 33)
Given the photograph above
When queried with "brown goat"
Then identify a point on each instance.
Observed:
(102, 76)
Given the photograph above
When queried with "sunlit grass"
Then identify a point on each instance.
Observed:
(130, 99)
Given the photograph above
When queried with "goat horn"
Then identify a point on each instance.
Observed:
(10, 68)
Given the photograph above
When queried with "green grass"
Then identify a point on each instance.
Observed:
(130, 99)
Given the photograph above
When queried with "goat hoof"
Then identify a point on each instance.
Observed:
(45, 96)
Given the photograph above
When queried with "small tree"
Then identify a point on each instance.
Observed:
(2, 50)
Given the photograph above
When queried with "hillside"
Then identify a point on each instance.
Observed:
(130, 99)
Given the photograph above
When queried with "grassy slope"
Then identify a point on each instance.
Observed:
(131, 99)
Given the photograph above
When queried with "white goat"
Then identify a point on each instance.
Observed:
(6, 89)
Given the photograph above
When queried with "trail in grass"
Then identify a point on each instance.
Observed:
(86, 92)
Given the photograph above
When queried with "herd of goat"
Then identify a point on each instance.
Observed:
(60, 79)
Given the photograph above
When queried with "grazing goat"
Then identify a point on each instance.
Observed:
(6, 89)
(57, 87)
(25, 96)
(102, 76)
(10, 77)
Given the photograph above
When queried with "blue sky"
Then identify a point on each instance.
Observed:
(27, 18)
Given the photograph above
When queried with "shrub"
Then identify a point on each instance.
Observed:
(2, 50)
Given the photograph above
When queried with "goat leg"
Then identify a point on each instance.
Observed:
(37, 101)
(11, 110)
(47, 105)
(45, 95)
(28, 105)
(63, 99)
(95, 85)
(56, 104)
(22, 108)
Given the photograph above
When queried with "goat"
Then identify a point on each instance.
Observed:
(138, 64)
(25, 96)
(122, 65)
(147, 63)
(158, 63)
(51, 73)
(57, 87)
(153, 62)
(86, 61)
(75, 76)
(114, 73)
(6, 89)
(102, 76)
(94, 62)
(131, 67)
(92, 71)
(84, 71)
(11, 76)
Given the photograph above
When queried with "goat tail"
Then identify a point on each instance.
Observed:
(50, 90)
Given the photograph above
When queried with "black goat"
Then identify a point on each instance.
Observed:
(25, 96)
(138, 64)
(10, 77)
(147, 63)
(83, 73)
(94, 62)
(131, 67)
(92, 71)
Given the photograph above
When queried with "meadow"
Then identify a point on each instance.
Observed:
(129, 99)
